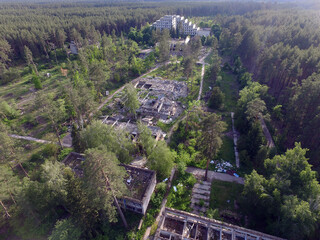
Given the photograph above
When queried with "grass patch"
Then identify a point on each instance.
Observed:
(165, 127)
(226, 151)
(224, 194)
(229, 87)
(208, 59)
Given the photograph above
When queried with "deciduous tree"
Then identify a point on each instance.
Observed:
(130, 99)
(210, 140)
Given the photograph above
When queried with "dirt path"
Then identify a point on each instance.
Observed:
(199, 173)
(27, 138)
(266, 133)
(202, 72)
(235, 141)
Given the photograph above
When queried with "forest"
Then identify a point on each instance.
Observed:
(260, 62)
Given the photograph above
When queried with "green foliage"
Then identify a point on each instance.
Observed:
(37, 82)
(39, 199)
(102, 172)
(10, 185)
(284, 197)
(277, 112)
(210, 141)
(181, 199)
(65, 230)
(8, 111)
(160, 157)
(81, 210)
(9, 76)
(216, 99)
(164, 46)
(213, 213)
(255, 108)
(216, 30)
(161, 160)
(130, 100)
(146, 139)
(98, 134)
(50, 150)
(64, 153)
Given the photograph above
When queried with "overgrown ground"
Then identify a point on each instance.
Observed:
(226, 151)
(230, 88)
(225, 197)
(181, 190)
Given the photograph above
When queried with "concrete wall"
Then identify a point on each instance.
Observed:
(131, 205)
(149, 191)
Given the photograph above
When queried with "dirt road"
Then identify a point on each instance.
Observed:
(36, 140)
(266, 133)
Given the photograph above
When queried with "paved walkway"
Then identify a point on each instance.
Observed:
(202, 73)
(199, 173)
(235, 141)
(201, 83)
(37, 140)
(200, 197)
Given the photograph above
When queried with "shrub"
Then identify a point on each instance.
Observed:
(36, 81)
(64, 230)
(216, 99)
(37, 157)
(7, 111)
(50, 150)
(213, 213)
(9, 76)
(191, 181)
(64, 152)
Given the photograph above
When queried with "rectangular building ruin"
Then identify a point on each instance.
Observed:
(139, 181)
(169, 88)
(176, 225)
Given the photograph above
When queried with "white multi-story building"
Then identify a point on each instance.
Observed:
(183, 25)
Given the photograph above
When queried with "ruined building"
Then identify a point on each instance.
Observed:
(178, 225)
(140, 183)
(159, 98)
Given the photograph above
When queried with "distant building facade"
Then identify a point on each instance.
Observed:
(204, 32)
(180, 24)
